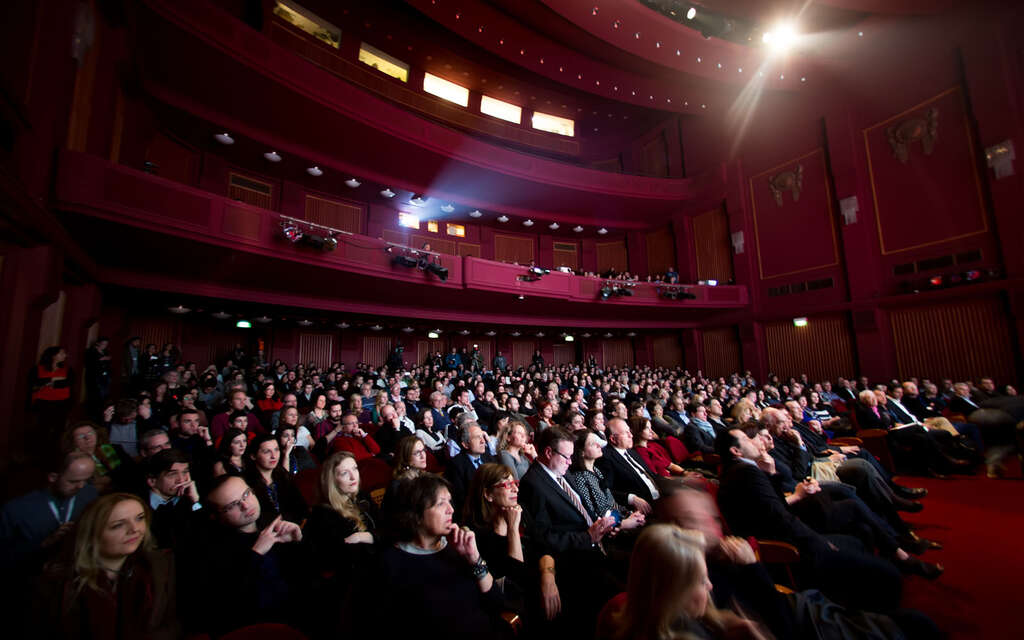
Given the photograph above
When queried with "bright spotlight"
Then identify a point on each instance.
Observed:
(691, 13)
(781, 38)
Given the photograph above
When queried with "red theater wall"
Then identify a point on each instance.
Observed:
(823, 349)
(721, 350)
(962, 340)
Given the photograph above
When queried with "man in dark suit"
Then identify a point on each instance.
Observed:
(961, 402)
(474, 453)
(413, 406)
(627, 475)
(560, 526)
(173, 497)
(837, 564)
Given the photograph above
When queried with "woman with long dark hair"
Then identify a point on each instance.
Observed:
(273, 486)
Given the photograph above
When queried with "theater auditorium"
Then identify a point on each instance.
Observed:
(617, 319)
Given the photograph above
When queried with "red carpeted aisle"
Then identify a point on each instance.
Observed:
(980, 521)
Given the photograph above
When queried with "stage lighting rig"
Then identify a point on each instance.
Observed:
(417, 258)
(533, 274)
(310, 234)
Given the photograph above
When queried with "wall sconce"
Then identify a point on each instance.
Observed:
(1000, 158)
(849, 208)
(737, 242)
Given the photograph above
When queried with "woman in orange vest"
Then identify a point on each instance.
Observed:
(51, 394)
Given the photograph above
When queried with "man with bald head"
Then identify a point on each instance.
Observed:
(628, 476)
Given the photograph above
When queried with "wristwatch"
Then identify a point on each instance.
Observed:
(479, 569)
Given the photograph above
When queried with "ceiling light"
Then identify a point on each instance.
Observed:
(586, 335)
(577, 228)
(418, 200)
(243, 324)
(224, 138)
(262, 319)
(376, 327)
(305, 323)
(475, 213)
(608, 335)
(491, 333)
(602, 231)
(521, 297)
(540, 334)
(315, 171)
(527, 223)
(780, 38)
(433, 335)
(342, 325)
(515, 334)
(272, 156)
(502, 218)
(179, 309)
(387, 193)
(447, 208)
(352, 182)
(691, 13)
(553, 226)
(220, 315)
(860, 34)
(569, 338)
(407, 329)
(631, 334)
(464, 332)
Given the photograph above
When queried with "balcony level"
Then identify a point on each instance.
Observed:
(151, 232)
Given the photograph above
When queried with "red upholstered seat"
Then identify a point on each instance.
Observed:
(840, 406)
(676, 449)
(374, 473)
(308, 482)
(433, 466)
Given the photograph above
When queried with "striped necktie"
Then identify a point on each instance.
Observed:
(575, 501)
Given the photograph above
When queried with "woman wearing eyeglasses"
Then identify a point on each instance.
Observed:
(493, 513)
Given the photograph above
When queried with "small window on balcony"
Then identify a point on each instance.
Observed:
(410, 220)
(432, 226)
(553, 124)
(498, 109)
(298, 16)
(446, 90)
(456, 230)
(383, 62)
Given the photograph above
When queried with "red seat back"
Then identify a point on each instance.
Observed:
(374, 473)
(676, 449)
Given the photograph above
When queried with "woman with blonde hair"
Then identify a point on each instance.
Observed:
(668, 593)
(514, 450)
(115, 584)
(342, 529)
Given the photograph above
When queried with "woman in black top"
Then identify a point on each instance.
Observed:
(588, 481)
(433, 573)
(492, 510)
(342, 530)
(273, 486)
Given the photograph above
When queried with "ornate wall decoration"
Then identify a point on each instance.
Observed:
(924, 129)
(792, 181)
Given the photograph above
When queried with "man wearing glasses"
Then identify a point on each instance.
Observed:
(245, 571)
(562, 528)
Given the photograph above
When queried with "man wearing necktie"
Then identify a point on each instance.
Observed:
(629, 479)
(560, 526)
(462, 467)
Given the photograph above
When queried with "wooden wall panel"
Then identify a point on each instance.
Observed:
(712, 246)
(316, 347)
(964, 340)
(513, 249)
(237, 190)
(426, 347)
(823, 349)
(346, 216)
(522, 353)
(661, 250)
(564, 354)
(398, 237)
(667, 351)
(566, 254)
(469, 249)
(654, 157)
(173, 159)
(436, 244)
(158, 331)
(721, 352)
(618, 352)
(376, 349)
(612, 255)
